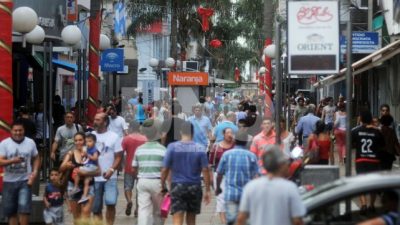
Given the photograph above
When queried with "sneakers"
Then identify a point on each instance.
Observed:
(83, 200)
(128, 210)
(74, 191)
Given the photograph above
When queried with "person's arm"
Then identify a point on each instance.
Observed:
(206, 177)
(115, 165)
(66, 164)
(297, 221)
(323, 114)
(164, 175)
(94, 157)
(54, 146)
(242, 218)
(35, 169)
(45, 201)
(165, 171)
(375, 221)
(5, 162)
(218, 189)
(299, 127)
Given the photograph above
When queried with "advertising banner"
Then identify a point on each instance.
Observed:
(112, 60)
(188, 79)
(363, 42)
(313, 40)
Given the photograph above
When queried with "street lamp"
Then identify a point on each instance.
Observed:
(153, 63)
(262, 70)
(170, 62)
(71, 35)
(24, 20)
(36, 36)
(105, 42)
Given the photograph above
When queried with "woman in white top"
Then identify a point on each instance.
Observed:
(340, 132)
(286, 137)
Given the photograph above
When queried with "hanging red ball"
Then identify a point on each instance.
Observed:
(215, 43)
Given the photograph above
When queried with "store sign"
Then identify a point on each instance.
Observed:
(313, 43)
(112, 60)
(188, 78)
(363, 42)
(46, 22)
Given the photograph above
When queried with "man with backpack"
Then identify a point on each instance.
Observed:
(64, 138)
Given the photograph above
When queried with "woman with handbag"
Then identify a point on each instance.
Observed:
(72, 160)
(216, 153)
(319, 145)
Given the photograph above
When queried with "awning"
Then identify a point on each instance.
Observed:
(373, 60)
(65, 65)
(220, 81)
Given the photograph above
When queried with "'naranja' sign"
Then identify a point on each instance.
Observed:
(188, 79)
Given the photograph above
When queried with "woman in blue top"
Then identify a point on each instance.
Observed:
(140, 112)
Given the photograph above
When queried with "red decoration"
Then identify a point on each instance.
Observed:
(237, 74)
(215, 43)
(205, 14)
(267, 76)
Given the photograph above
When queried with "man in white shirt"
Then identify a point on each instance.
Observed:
(105, 187)
(117, 123)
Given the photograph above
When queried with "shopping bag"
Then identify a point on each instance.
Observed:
(165, 206)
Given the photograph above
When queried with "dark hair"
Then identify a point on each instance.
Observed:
(202, 99)
(187, 128)
(252, 108)
(385, 106)
(91, 136)
(319, 127)
(366, 117)
(341, 106)
(80, 134)
(149, 130)
(23, 110)
(140, 100)
(69, 112)
(300, 99)
(243, 121)
(54, 169)
(177, 108)
(225, 129)
(134, 126)
(241, 138)
(386, 120)
(17, 123)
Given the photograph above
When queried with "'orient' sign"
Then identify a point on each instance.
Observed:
(187, 79)
(313, 37)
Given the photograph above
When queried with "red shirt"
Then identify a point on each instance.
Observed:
(216, 154)
(129, 144)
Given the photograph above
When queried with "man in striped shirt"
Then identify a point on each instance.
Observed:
(147, 164)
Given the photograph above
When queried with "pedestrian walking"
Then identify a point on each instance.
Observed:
(64, 138)
(186, 161)
(287, 137)
(368, 142)
(29, 125)
(238, 166)
(105, 186)
(217, 150)
(170, 128)
(263, 139)
(340, 132)
(202, 126)
(129, 145)
(147, 164)
(271, 199)
(392, 146)
(328, 114)
(117, 124)
(320, 142)
(306, 125)
(16, 156)
(385, 110)
(228, 122)
(53, 200)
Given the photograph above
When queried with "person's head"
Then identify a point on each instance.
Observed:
(253, 108)
(57, 99)
(17, 131)
(241, 138)
(134, 127)
(149, 130)
(267, 125)
(311, 108)
(275, 161)
(341, 106)
(386, 120)
(79, 140)
(69, 118)
(242, 124)
(187, 129)
(226, 100)
(385, 109)
(329, 101)
(90, 140)
(112, 111)
(54, 175)
(319, 127)
(375, 121)
(202, 99)
(282, 123)
(231, 116)
(228, 134)
(197, 109)
(101, 122)
(208, 99)
(177, 108)
(300, 101)
(23, 110)
(366, 117)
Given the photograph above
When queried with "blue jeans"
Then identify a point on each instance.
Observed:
(104, 191)
(17, 198)
(232, 209)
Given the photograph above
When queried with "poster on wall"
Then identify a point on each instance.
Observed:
(72, 10)
(313, 40)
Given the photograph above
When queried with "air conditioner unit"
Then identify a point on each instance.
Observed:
(190, 66)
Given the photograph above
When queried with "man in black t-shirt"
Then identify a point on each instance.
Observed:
(170, 129)
(368, 142)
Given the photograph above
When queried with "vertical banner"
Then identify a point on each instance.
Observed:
(72, 10)
(313, 40)
(120, 19)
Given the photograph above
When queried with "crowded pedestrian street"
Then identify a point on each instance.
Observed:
(236, 112)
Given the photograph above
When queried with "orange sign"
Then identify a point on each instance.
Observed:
(188, 79)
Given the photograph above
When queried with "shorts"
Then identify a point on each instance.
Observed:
(54, 215)
(78, 196)
(232, 210)
(88, 168)
(220, 207)
(105, 192)
(364, 167)
(17, 198)
(129, 181)
(329, 126)
(186, 198)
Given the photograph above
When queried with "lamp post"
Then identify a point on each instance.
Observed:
(25, 20)
(105, 43)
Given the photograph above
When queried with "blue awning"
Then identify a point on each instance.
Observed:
(65, 65)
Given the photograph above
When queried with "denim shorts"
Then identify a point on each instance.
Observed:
(129, 181)
(105, 191)
(17, 198)
(78, 196)
(232, 210)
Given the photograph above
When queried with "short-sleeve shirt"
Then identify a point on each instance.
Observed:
(54, 195)
(91, 152)
(108, 144)
(238, 166)
(130, 144)
(186, 161)
(329, 112)
(201, 129)
(10, 149)
(367, 142)
(65, 137)
(118, 125)
(300, 112)
(218, 131)
(271, 201)
(149, 159)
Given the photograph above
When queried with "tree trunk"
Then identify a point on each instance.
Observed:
(174, 29)
(268, 22)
